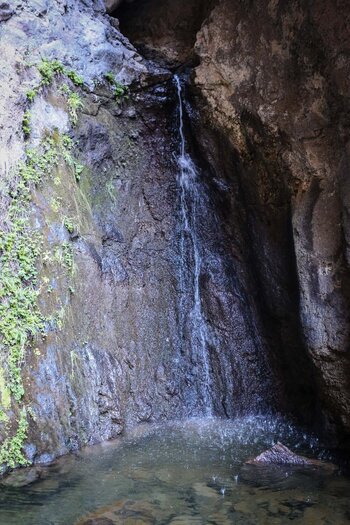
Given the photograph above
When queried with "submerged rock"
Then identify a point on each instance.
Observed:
(279, 454)
(125, 512)
(23, 477)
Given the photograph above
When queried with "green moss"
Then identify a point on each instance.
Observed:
(110, 77)
(74, 103)
(121, 91)
(67, 252)
(78, 168)
(31, 94)
(11, 452)
(4, 391)
(75, 78)
(48, 69)
(56, 204)
(21, 247)
(69, 224)
(26, 123)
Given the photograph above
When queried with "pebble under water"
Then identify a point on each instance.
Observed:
(181, 473)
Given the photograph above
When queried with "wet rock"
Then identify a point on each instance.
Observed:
(284, 470)
(279, 454)
(244, 507)
(22, 477)
(164, 29)
(298, 223)
(112, 5)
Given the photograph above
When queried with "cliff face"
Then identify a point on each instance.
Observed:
(69, 385)
(96, 322)
(272, 121)
(273, 79)
(100, 321)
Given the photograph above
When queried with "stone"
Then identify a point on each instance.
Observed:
(253, 90)
(112, 5)
(22, 477)
(279, 454)
(125, 512)
(5, 11)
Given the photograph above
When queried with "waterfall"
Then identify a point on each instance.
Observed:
(192, 319)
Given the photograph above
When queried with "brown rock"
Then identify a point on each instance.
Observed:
(274, 84)
(279, 454)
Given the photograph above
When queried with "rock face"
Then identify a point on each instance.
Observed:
(5, 11)
(274, 83)
(118, 346)
(37, 30)
(272, 120)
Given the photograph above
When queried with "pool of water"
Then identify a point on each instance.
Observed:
(183, 473)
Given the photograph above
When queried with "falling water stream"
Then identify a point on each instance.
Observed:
(190, 250)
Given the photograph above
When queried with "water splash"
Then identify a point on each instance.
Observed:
(191, 250)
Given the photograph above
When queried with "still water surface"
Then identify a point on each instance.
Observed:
(183, 473)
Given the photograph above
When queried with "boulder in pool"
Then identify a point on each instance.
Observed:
(279, 454)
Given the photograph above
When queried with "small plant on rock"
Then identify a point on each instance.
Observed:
(31, 94)
(120, 90)
(68, 224)
(74, 104)
(26, 123)
(48, 69)
(75, 78)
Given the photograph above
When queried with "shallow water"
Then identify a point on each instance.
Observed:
(182, 473)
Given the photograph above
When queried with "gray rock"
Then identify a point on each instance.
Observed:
(6, 12)
(22, 477)
(279, 454)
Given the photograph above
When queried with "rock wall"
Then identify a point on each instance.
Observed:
(90, 170)
(272, 121)
(104, 239)
(273, 80)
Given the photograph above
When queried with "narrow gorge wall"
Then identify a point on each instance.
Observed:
(274, 79)
(272, 118)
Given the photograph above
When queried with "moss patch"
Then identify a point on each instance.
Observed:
(20, 249)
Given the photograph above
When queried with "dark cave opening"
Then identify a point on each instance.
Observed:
(163, 30)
